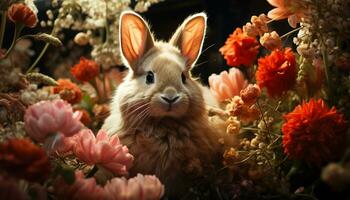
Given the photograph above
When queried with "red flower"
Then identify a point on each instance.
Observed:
(277, 72)
(22, 159)
(240, 49)
(85, 70)
(21, 13)
(313, 132)
(68, 91)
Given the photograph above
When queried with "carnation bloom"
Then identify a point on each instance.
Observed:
(313, 132)
(68, 91)
(277, 72)
(102, 150)
(22, 159)
(240, 49)
(82, 188)
(271, 41)
(227, 85)
(292, 9)
(85, 70)
(64, 144)
(47, 118)
(137, 188)
(21, 13)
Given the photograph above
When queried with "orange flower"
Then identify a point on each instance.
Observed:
(277, 72)
(68, 91)
(313, 132)
(292, 9)
(21, 13)
(85, 70)
(240, 49)
(23, 159)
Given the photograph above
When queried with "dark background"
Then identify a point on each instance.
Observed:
(223, 17)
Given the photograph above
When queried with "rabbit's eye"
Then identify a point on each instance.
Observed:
(183, 78)
(149, 77)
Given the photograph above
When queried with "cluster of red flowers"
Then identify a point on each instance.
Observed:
(277, 72)
(68, 91)
(313, 132)
(85, 70)
(240, 49)
(23, 159)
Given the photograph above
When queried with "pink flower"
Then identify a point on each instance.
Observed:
(137, 188)
(227, 85)
(47, 118)
(65, 144)
(292, 9)
(102, 150)
(82, 188)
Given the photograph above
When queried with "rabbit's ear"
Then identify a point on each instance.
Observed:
(189, 37)
(135, 37)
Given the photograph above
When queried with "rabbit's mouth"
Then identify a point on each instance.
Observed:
(175, 106)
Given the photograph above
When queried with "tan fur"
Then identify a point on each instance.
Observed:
(174, 145)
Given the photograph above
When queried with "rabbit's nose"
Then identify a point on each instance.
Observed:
(170, 100)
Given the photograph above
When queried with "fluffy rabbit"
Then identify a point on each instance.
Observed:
(159, 111)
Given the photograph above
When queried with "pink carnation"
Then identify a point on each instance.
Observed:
(102, 150)
(137, 188)
(47, 118)
(227, 85)
(82, 188)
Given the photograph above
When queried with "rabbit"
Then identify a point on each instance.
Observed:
(159, 111)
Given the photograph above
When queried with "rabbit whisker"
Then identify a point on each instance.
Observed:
(210, 46)
(133, 111)
(133, 101)
(136, 119)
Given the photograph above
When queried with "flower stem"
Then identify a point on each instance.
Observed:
(104, 84)
(18, 29)
(290, 32)
(327, 76)
(2, 26)
(93, 82)
(106, 23)
(30, 69)
(92, 172)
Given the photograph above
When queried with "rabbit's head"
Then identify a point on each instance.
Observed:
(159, 84)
